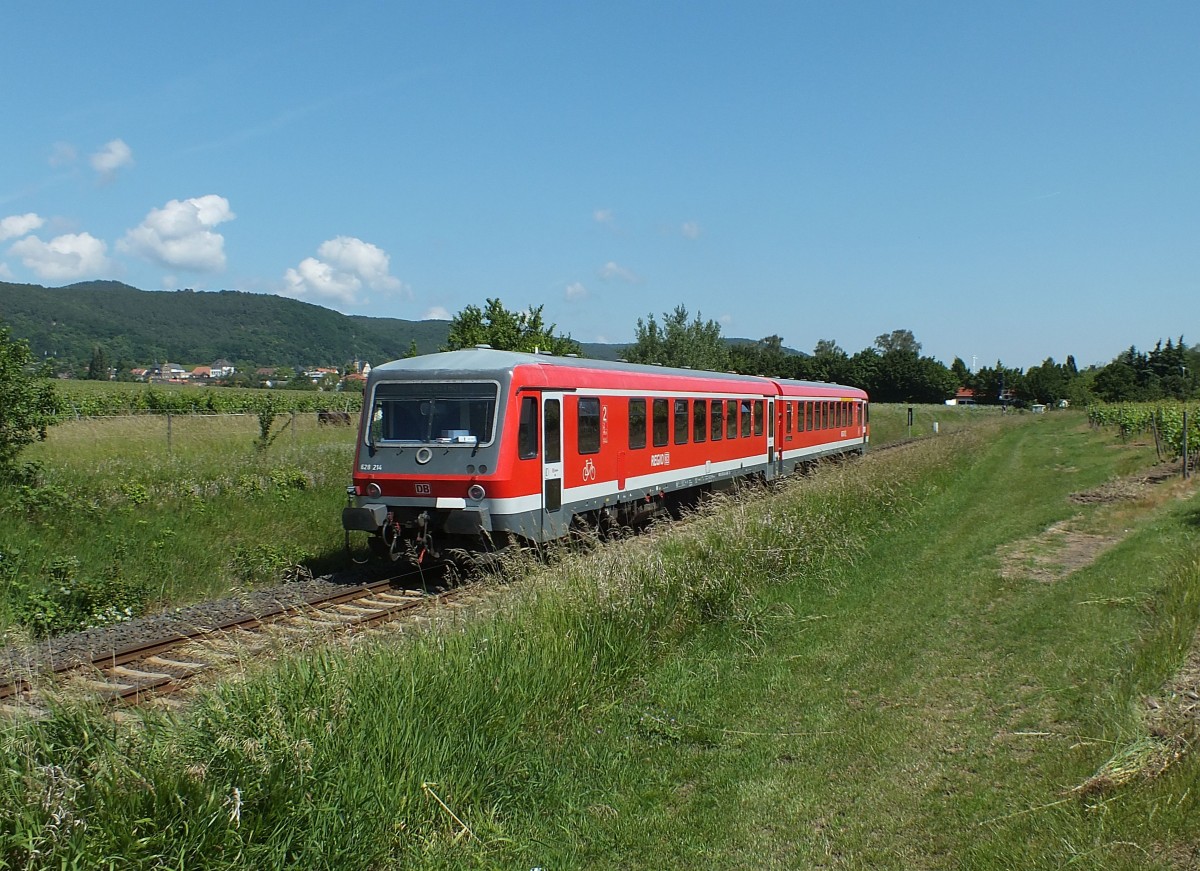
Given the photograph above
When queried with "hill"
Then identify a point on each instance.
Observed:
(137, 326)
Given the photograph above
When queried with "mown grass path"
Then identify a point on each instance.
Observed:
(925, 710)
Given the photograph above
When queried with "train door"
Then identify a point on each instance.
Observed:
(771, 457)
(552, 465)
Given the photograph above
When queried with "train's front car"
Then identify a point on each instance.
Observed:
(428, 454)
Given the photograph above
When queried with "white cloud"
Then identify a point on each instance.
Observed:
(576, 291)
(180, 234)
(19, 225)
(112, 156)
(344, 267)
(437, 313)
(367, 261)
(611, 270)
(6, 273)
(691, 230)
(63, 258)
(603, 216)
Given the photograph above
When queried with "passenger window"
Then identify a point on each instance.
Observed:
(637, 424)
(527, 435)
(731, 421)
(661, 422)
(552, 427)
(681, 421)
(699, 420)
(746, 419)
(758, 417)
(589, 425)
(717, 421)
(789, 417)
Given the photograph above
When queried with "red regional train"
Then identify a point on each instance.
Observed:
(472, 448)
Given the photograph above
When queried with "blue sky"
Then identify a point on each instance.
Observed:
(1007, 180)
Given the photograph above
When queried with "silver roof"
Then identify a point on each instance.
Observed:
(490, 363)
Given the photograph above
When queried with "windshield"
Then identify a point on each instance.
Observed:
(446, 412)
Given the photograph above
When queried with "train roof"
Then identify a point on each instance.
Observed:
(490, 363)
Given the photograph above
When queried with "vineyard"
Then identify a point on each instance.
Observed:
(78, 399)
(1174, 426)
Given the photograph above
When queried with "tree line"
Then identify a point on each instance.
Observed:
(892, 369)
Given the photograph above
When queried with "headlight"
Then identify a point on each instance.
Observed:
(476, 492)
(374, 490)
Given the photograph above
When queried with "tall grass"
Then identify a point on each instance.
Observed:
(156, 511)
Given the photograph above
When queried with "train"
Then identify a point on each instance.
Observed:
(477, 448)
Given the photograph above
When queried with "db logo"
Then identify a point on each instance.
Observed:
(423, 489)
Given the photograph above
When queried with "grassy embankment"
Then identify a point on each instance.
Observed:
(887, 664)
(136, 512)
(143, 511)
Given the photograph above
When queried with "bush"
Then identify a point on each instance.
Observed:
(27, 404)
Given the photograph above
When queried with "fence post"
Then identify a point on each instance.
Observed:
(293, 425)
(168, 433)
(1187, 473)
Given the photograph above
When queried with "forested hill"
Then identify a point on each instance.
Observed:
(139, 327)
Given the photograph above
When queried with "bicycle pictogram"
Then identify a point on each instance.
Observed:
(589, 471)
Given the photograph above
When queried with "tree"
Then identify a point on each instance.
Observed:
(695, 345)
(995, 385)
(827, 363)
(764, 357)
(98, 366)
(1046, 384)
(28, 405)
(506, 330)
(898, 340)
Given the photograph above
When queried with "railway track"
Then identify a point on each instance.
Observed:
(139, 672)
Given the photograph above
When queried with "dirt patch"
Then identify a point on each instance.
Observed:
(1065, 547)
(1054, 554)
(1130, 487)
(1175, 711)
(1172, 731)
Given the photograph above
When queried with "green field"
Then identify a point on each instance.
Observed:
(149, 511)
(939, 657)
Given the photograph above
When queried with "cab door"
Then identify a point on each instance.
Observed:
(552, 465)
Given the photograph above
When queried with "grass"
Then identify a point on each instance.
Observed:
(157, 512)
(834, 674)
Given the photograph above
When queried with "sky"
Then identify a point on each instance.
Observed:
(1009, 181)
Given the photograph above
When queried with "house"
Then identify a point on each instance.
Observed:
(222, 369)
(320, 372)
(168, 372)
(201, 373)
(140, 374)
(962, 396)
